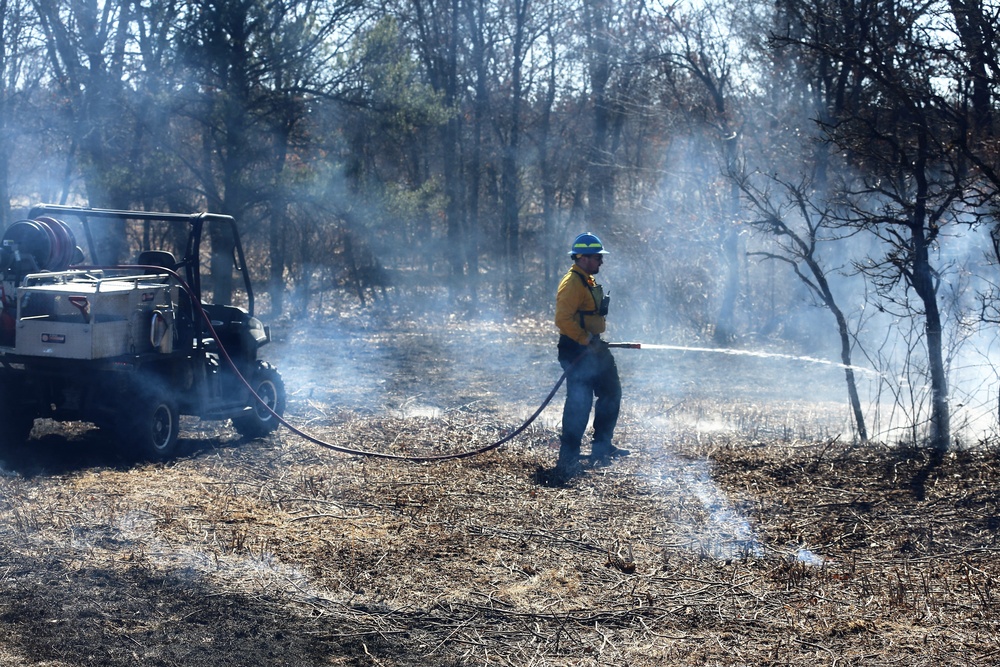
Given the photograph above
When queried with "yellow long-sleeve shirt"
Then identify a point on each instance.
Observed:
(573, 298)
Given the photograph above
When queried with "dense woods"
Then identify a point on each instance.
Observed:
(809, 174)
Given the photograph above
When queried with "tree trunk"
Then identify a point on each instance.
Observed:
(826, 294)
(276, 251)
(476, 16)
(922, 280)
(725, 326)
(600, 187)
(970, 22)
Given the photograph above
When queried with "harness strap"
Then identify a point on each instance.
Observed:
(583, 313)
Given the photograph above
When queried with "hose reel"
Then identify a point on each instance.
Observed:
(42, 244)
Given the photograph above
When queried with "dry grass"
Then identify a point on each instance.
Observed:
(744, 545)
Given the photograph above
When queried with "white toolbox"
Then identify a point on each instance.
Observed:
(83, 315)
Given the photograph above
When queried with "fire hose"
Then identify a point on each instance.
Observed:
(358, 452)
(400, 457)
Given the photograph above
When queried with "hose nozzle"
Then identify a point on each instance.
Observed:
(627, 346)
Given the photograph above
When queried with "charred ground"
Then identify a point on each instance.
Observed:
(745, 530)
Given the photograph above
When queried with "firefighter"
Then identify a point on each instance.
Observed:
(581, 308)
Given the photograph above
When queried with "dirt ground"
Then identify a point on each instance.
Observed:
(745, 529)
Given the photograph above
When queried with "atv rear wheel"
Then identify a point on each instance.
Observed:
(152, 428)
(261, 420)
(16, 419)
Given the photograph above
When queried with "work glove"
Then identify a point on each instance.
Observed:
(597, 346)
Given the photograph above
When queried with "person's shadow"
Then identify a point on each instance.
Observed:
(918, 485)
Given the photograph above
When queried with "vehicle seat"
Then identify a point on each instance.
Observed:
(166, 259)
(162, 258)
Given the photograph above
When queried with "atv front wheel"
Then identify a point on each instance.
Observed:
(260, 420)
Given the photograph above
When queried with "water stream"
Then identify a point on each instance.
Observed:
(755, 353)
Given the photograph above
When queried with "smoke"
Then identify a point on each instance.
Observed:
(667, 273)
(672, 272)
(726, 533)
(414, 366)
(705, 521)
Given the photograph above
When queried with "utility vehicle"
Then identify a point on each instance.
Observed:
(129, 347)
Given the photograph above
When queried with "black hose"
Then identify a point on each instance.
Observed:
(338, 448)
(421, 459)
(398, 457)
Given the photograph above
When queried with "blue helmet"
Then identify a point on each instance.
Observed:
(587, 244)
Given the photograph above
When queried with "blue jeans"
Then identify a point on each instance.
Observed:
(592, 375)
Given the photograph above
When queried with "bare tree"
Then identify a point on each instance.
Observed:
(976, 25)
(19, 77)
(254, 67)
(796, 224)
(911, 174)
(437, 26)
(87, 51)
(481, 49)
(550, 162)
(701, 65)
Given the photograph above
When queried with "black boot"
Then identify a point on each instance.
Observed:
(602, 453)
(568, 466)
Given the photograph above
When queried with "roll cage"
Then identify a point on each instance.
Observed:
(195, 222)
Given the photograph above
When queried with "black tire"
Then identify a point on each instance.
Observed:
(16, 419)
(151, 428)
(260, 421)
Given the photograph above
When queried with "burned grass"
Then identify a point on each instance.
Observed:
(740, 544)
